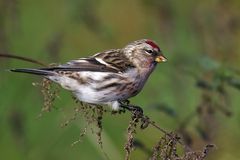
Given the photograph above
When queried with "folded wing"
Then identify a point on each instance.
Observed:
(109, 61)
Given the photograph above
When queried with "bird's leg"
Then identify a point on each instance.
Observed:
(121, 109)
(124, 102)
(132, 108)
(137, 113)
(136, 110)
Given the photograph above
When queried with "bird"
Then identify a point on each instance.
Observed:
(106, 78)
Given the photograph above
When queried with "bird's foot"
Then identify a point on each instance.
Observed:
(137, 114)
(124, 102)
(136, 110)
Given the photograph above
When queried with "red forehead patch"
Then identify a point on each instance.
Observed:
(154, 45)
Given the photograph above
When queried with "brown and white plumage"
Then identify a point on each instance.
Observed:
(106, 77)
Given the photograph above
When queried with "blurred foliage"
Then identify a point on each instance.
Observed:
(195, 94)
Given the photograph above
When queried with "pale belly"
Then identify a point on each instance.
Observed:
(99, 90)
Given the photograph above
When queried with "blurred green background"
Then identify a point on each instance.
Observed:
(195, 93)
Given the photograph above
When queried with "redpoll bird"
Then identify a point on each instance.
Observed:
(108, 77)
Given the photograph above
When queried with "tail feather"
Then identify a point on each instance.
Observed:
(34, 71)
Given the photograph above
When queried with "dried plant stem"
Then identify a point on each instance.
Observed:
(131, 130)
(49, 93)
(12, 56)
(166, 148)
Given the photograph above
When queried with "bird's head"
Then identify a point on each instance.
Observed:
(144, 53)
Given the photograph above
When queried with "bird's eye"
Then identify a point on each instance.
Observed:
(149, 51)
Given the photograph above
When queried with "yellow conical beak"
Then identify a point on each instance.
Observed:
(160, 58)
